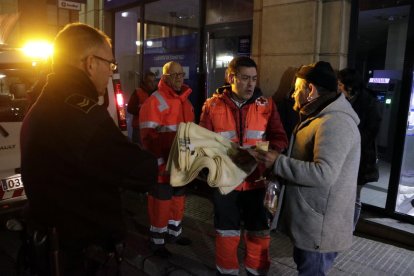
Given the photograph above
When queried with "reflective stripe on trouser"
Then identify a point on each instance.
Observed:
(165, 216)
(176, 215)
(227, 242)
(257, 260)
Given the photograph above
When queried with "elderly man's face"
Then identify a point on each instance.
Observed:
(301, 93)
(102, 59)
(175, 77)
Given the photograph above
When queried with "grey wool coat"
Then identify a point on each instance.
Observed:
(320, 176)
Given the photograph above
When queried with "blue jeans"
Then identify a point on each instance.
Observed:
(310, 263)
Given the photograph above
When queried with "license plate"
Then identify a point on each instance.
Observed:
(12, 183)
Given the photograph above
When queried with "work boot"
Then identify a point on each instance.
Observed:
(179, 240)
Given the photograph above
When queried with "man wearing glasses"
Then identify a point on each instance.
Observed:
(75, 160)
(159, 118)
(241, 113)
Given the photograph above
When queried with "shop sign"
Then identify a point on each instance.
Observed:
(69, 5)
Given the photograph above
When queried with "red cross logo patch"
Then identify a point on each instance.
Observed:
(261, 101)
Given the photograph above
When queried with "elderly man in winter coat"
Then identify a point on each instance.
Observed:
(320, 171)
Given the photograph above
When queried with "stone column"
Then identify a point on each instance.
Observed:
(289, 33)
(9, 17)
(397, 36)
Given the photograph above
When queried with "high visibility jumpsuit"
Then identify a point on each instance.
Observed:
(159, 118)
(142, 95)
(256, 120)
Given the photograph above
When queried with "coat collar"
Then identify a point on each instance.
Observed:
(185, 90)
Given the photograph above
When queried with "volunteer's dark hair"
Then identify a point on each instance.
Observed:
(351, 79)
(238, 62)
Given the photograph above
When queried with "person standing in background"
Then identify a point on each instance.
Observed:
(159, 118)
(365, 105)
(138, 97)
(241, 113)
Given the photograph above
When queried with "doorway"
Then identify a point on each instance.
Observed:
(223, 43)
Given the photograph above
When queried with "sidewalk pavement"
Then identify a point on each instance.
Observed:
(365, 257)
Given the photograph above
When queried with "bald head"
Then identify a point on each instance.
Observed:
(173, 75)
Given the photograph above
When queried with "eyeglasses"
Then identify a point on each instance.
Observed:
(247, 78)
(175, 75)
(112, 63)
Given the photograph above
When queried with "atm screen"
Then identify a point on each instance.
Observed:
(381, 96)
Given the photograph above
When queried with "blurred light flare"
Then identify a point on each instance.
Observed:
(38, 49)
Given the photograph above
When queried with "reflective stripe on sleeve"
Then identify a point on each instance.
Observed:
(149, 124)
(158, 127)
(163, 103)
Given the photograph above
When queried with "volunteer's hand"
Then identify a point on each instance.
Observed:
(267, 158)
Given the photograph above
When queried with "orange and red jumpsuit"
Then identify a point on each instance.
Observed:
(142, 96)
(256, 120)
(159, 118)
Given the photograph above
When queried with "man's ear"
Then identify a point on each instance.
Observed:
(89, 65)
(313, 91)
(230, 78)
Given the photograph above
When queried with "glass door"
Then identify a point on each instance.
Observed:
(405, 196)
(381, 48)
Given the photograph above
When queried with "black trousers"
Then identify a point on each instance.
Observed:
(240, 207)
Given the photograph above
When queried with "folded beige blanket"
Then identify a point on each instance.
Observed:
(196, 148)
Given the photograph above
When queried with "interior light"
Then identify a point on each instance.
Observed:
(149, 43)
(225, 58)
(124, 14)
(388, 101)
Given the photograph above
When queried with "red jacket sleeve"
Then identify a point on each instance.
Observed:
(205, 119)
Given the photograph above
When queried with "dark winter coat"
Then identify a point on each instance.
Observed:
(75, 160)
(365, 105)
